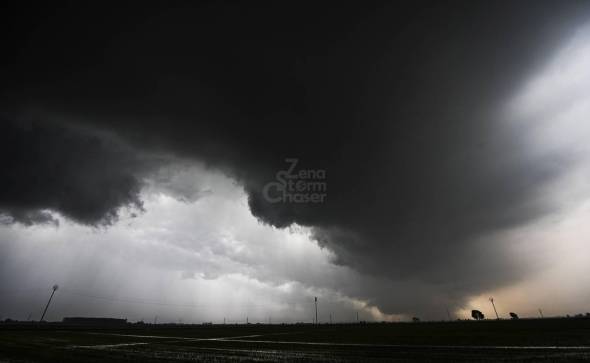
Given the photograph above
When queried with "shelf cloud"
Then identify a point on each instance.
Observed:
(408, 114)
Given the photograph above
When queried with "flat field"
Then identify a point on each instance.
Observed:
(485, 341)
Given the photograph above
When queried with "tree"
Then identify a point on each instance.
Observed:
(477, 315)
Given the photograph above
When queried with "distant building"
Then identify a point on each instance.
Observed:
(94, 321)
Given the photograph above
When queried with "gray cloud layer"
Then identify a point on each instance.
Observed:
(401, 105)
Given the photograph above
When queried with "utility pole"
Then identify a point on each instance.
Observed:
(316, 310)
(494, 305)
(55, 287)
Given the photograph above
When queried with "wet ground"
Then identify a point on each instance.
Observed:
(521, 341)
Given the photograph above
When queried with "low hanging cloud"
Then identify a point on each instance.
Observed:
(203, 260)
(403, 107)
(80, 174)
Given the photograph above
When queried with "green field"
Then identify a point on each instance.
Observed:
(488, 341)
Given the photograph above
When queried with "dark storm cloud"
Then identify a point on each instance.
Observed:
(48, 167)
(398, 103)
(28, 217)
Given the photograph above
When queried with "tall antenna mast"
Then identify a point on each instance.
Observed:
(494, 305)
(55, 287)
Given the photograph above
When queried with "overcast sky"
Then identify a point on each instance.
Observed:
(441, 149)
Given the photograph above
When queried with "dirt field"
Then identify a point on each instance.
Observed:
(486, 341)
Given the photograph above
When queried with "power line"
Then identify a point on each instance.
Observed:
(81, 293)
(146, 301)
(156, 302)
(18, 291)
(142, 301)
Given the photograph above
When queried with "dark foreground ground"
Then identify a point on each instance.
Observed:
(487, 341)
